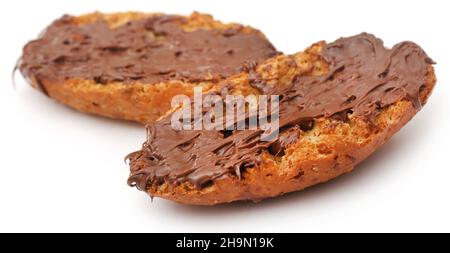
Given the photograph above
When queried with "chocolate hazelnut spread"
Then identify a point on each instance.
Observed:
(147, 50)
(363, 78)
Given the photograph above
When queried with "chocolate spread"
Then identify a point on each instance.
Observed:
(147, 50)
(363, 77)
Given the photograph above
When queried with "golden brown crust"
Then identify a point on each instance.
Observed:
(328, 150)
(139, 102)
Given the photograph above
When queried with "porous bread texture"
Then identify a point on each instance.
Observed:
(141, 102)
(331, 148)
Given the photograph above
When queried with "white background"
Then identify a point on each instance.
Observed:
(61, 170)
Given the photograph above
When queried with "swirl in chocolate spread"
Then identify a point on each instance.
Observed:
(363, 77)
(147, 50)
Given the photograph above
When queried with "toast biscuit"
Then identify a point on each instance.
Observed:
(335, 141)
(129, 65)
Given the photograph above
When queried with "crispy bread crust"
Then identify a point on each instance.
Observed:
(139, 102)
(328, 150)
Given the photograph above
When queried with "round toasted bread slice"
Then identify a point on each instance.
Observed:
(129, 65)
(340, 102)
